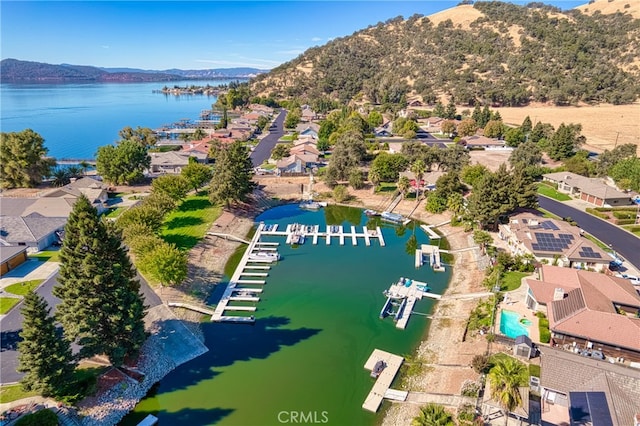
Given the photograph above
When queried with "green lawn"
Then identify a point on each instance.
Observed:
(511, 280)
(550, 192)
(188, 224)
(287, 138)
(386, 187)
(9, 393)
(47, 256)
(114, 213)
(6, 303)
(20, 289)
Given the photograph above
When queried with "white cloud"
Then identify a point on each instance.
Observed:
(316, 39)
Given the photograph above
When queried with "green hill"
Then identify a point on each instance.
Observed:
(491, 52)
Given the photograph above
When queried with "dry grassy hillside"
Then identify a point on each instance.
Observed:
(612, 6)
(601, 124)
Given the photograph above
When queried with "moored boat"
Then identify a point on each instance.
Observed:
(377, 369)
(392, 217)
(265, 256)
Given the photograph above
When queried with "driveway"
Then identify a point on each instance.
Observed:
(623, 242)
(11, 325)
(262, 152)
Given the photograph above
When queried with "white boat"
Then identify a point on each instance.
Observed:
(392, 217)
(271, 256)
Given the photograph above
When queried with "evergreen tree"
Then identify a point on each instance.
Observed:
(101, 308)
(44, 356)
(439, 111)
(451, 110)
(24, 159)
(565, 141)
(492, 197)
(485, 117)
(526, 126)
(231, 180)
(477, 114)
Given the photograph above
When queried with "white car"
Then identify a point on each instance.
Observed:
(634, 280)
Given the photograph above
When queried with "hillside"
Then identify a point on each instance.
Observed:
(16, 71)
(491, 52)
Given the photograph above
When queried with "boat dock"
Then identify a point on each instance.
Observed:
(383, 382)
(313, 233)
(255, 258)
(434, 257)
(407, 291)
(430, 232)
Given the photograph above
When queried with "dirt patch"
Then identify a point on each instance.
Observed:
(604, 126)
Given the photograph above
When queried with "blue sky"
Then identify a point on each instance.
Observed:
(190, 35)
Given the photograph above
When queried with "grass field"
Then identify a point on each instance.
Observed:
(20, 289)
(6, 303)
(9, 393)
(188, 224)
(114, 213)
(511, 280)
(550, 192)
(47, 256)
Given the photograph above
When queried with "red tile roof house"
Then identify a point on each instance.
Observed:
(588, 310)
(591, 190)
(552, 241)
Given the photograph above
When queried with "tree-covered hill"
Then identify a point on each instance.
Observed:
(509, 55)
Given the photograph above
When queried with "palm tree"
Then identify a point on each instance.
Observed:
(505, 377)
(84, 166)
(60, 177)
(455, 203)
(403, 185)
(433, 415)
(374, 178)
(199, 134)
(418, 168)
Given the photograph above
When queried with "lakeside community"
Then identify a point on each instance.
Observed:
(559, 303)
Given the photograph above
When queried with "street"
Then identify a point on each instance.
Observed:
(262, 152)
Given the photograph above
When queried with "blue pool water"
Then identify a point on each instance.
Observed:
(510, 325)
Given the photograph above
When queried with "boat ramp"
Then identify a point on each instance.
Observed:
(297, 233)
(381, 388)
(402, 296)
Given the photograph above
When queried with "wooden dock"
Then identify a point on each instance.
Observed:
(313, 233)
(430, 232)
(384, 380)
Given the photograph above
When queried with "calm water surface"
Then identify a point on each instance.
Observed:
(76, 119)
(317, 323)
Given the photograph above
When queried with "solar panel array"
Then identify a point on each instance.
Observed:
(587, 252)
(552, 243)
(547, 224)
(589, 408)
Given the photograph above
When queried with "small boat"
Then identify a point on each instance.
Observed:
(370, 212)
(310, 205)
(423, 288)
(392, 217)
(265, 255)
(297, 239)
(377, 369)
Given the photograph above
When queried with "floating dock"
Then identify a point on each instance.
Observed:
(299, 232)
(434, 257)
(409, 292)
(384, 380)
(430, 232)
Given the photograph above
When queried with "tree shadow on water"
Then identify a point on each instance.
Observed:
(229, 343)
(186, 416)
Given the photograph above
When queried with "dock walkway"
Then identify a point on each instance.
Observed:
(313, 233)
(384, 380)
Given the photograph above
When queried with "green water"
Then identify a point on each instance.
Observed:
(317, 323)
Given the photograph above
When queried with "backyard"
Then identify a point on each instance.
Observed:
(187, 225)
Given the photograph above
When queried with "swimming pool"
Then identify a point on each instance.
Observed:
(511, 326)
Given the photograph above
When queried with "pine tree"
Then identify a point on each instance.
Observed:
(231, 180)
(44, 355)
(101, 308)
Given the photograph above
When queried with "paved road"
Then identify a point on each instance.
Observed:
(262, 152)
(11, 325)
(623, 242)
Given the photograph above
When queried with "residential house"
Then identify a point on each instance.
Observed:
(568, 381)
(308, 129)
(93, 189)
(587, 310)
(35, 232)
(382, 132)
(304, 148)
(428, 181)
(483, 142)
(261, 108)
(171, 162)
(552, 241)
(432, 124)
(11, 257)
(591, 190)
(199, 150)
(416, 103)
(297, 163)
(307, 114)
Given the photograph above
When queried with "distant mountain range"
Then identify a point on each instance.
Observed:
(17, 71)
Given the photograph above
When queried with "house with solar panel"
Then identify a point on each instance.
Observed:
(591, 190)
(591, 314)
(552, 242)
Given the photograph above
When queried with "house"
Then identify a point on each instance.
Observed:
(307, 113)
(568, 380)
(305, 148)
(308, 129)
(91, 188)
(432, 124)
(587, 310)
(382, 132)
(591, 190)
(416, 103)
(552, 241)
(171, 162)
(483, 142)
(261, 108)
(428, 181)
(11, 257)
(297, 163)
(35, 232)
(523, 347)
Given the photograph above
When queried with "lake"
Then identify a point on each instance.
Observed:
(76, 119)
(316, 324)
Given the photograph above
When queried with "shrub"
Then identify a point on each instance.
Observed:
(470, 388)
(39, 418)
(597, 213)
(624, 214)
(625, 221)
(340, 193)
(543, 326)
(480, 364)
